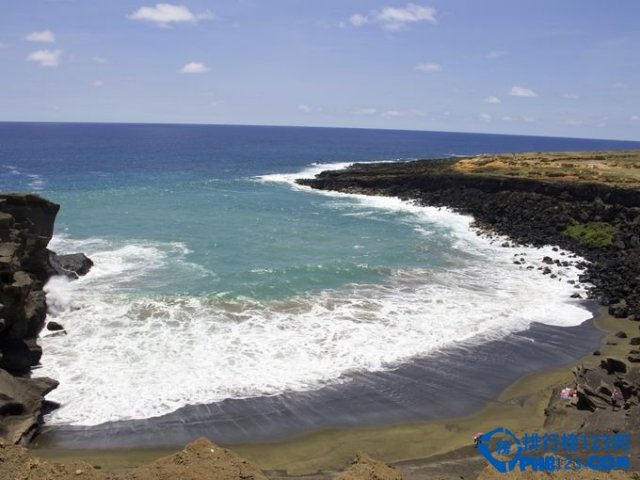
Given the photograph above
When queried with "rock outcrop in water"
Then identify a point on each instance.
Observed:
(26, 227)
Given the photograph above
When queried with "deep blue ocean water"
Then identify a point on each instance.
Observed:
(212, 265)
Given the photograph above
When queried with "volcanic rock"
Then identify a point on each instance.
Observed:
(73, 265)
(21, 401)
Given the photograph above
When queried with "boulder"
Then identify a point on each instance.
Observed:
(634, 356)
(18, 356)
(590, 382)
(54, 326)
(73, 265)
(21, 402)
(613, 365)
(619, 309)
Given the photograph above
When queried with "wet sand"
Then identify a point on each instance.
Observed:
(519, 407)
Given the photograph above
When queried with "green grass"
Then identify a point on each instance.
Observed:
(597, 234)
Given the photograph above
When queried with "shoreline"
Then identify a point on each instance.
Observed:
(451, 382)
(410, 445)
(527, 405)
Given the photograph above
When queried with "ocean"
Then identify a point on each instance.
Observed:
(217, 278)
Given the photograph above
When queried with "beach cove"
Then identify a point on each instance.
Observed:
(388, 396)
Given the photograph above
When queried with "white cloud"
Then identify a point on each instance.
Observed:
(365, 111)
(619, 85)
(574, 122)
(165, 13)
(521, 92)
(358, 20)
(46, 58)
(635, 118)
(404, 113)
(98, 83)
(530, 118)
(3, 45)
(493, 54)
(485, 117)
(194, 67)
(397, 18)
(304, 108)
(393, 19)
(507, 118)
(100, 60)
(428, 67)
(571, 96)
(45, 36)
(492, 99)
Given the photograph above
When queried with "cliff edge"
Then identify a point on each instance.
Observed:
(26, 227)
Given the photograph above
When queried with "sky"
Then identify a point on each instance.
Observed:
(532, 67)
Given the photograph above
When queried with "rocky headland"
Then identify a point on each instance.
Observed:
(596, 216)
(584, 202)
(26, 227)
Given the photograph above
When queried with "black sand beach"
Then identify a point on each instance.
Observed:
(450, 383)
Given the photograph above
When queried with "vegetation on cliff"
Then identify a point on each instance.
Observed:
(596, 234)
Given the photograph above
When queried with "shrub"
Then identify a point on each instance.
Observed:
(597, 234)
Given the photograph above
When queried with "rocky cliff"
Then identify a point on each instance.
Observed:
(26, 227)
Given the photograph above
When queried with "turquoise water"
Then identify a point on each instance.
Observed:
(238, 230)
(216, 277)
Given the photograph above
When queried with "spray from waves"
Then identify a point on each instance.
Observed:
(311, 171)
(122, 265)
(131, 355)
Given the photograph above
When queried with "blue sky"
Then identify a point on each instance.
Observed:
(561, 68)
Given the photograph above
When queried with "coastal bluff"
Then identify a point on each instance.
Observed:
(26, 227)
(587, 203)
(584, 202)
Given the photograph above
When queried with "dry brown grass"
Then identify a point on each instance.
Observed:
(615, 168)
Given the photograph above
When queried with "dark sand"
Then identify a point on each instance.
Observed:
(450, 383)
(439, 389)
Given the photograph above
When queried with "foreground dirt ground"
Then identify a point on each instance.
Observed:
(204, 460)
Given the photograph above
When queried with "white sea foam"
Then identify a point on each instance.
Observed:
(309, 172)
(132, 356)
